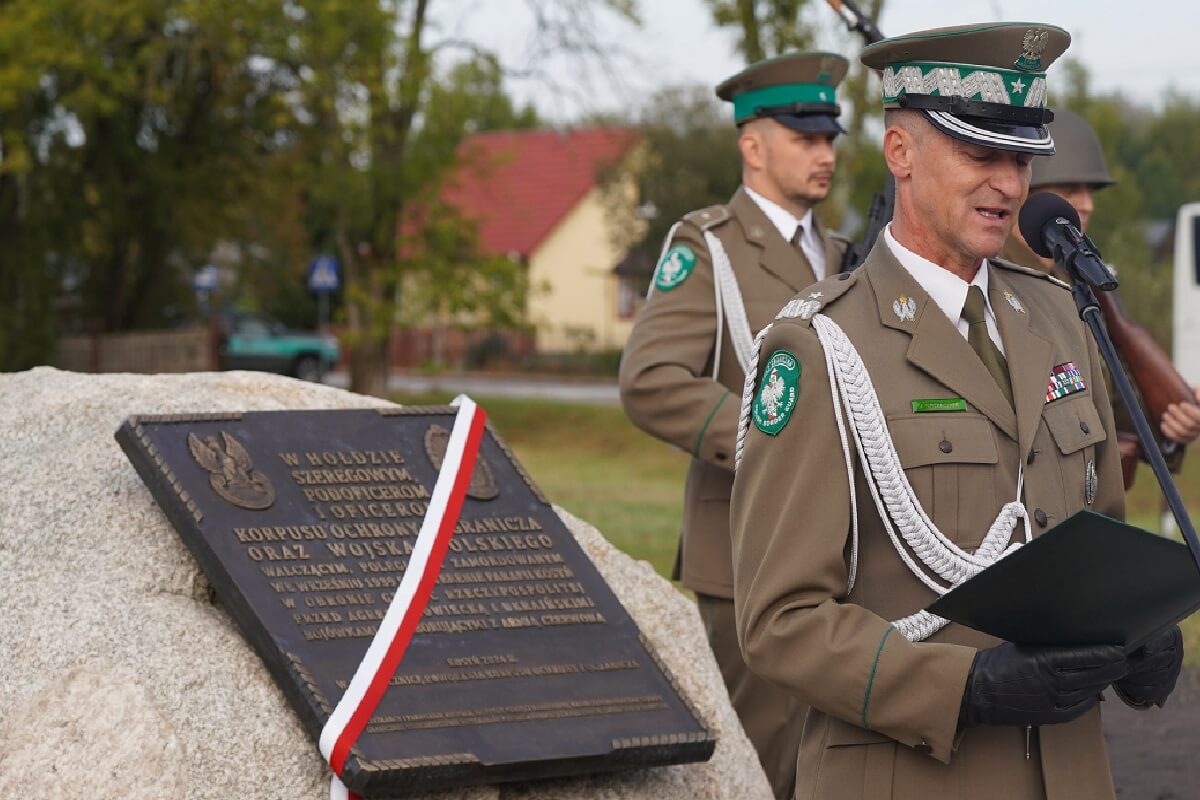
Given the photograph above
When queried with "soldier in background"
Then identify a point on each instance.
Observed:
(1076, 172)
(724, 272)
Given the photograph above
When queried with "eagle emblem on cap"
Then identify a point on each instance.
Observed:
(1035, 43)
(826, 66)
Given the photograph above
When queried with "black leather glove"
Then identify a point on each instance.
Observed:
(1011, 685)
(1152, 670)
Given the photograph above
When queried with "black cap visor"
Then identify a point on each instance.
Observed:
(996, 125)
(804, 117)
(809, 123)
(1017, 138)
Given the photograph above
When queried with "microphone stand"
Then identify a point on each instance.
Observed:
(1089, 312)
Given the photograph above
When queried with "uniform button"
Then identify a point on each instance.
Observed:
(843, 276)
(945, 446)
(1040, 517)
(1083, 426)
(1032, 456)
(923, 747)
(721, 456)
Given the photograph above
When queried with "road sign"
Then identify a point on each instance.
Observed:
(206, 278)
(323, 274)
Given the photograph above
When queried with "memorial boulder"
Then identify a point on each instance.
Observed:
(121, 660)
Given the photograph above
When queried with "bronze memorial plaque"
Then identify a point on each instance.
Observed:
(524, 664)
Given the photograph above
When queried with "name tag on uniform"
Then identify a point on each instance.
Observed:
(1065, 379)
(939, 404)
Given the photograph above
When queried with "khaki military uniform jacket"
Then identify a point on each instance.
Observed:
(666, 380)
(1019, 252)
(885, 710)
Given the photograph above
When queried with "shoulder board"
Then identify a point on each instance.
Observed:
(706, 218)
(1036, 273)
(816, 298)
(838, 236)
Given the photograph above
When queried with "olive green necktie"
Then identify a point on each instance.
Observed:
(796, 237)
(981, 342)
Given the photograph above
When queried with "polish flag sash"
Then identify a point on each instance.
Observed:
(387, 648)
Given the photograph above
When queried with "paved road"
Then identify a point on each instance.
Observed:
(1153, 752)
(599, 392)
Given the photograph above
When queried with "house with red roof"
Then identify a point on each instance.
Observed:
(537, 196)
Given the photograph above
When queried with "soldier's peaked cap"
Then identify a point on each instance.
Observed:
(983, 83)
(798, 90)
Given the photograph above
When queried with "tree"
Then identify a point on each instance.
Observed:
(767, 27)
(155, 114)
(368, 91)
(688, 159)
(470, 97)
(861, 168)
(136, 135)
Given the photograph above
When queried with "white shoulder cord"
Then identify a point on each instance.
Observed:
(748, 388)
(729, 302)
(893, 494)
(727, 296)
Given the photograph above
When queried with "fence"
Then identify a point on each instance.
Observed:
(184, 350)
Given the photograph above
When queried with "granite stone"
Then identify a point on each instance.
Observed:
(123, 678)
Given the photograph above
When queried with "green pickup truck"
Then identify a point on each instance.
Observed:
(252, 341)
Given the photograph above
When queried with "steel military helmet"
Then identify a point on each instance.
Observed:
(797, 90)
(983, 83)
(1079, 157)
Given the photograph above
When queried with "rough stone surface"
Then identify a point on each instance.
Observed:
(120, 678)
(54, 736)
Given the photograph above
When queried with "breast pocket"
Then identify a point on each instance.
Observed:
(1076, 429)
(950, 460)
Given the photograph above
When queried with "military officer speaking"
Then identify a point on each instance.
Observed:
(904, 426)
(724, 272)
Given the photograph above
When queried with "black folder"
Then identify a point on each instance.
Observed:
(1090, 580)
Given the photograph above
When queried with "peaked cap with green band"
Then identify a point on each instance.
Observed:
(797, 90)
(984, 83)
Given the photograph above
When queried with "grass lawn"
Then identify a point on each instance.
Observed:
(591, 460)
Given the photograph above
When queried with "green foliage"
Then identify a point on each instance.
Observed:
(688, 160)
(137, 135)
(155, 114)
(767, 27)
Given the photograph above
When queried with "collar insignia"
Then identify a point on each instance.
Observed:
(1014, 301)
(905, 308)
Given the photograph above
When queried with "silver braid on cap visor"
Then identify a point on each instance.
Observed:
(955, 126)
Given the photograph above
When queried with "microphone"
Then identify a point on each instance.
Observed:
(1050, 226)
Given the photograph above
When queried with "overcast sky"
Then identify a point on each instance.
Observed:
(1139, 49)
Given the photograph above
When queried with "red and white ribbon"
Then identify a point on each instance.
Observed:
(375, 672)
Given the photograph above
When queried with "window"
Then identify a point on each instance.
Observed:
(629, 296)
